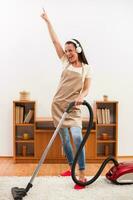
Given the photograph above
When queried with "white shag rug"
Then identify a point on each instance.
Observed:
(61, 188)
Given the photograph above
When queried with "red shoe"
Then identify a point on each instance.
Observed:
(66, 173)
(79, 187)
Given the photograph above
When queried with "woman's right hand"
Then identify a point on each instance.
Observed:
(44, 16)
(54, 38)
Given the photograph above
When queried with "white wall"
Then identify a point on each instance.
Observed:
(28, 60)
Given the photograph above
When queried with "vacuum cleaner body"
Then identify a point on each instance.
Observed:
(121, 174)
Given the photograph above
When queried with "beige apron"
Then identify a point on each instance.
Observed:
(68, 90)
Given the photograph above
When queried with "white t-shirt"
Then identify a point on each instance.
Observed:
(86, 70)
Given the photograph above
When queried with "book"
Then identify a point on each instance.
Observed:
(106, 116)
(21, 114)
(17, 114)
(28, 116)
(103, 116)
(108, 113)
(99, 116)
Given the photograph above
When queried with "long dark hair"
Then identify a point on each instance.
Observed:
(81, 56)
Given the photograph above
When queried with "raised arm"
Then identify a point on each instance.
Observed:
(53, 36)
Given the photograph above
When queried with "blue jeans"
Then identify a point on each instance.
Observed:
(77, 139)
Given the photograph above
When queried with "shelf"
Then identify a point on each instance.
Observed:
(46, 123)
(106, 102)
(24, 124)
(106, 125)
(106, 141)
(24, 141)
(25, 102)
(44, 130)
(24, 149)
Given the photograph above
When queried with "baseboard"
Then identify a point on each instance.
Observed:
(118, 157)
(6, 156)
(125, 157)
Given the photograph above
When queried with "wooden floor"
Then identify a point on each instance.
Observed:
(9, 168)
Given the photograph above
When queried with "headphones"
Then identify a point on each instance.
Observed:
(78, 47)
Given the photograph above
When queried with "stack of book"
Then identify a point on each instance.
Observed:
(21, 117)
(19, 114)
(103, 116)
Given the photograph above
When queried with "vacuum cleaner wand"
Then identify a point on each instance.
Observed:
(19, 193)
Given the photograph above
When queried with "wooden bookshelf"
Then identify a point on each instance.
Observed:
(24, 130)
(106, 124)
(40, 131)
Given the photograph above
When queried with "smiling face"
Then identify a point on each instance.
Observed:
(71, 53)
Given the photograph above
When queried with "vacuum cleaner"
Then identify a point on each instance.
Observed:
(118, 174)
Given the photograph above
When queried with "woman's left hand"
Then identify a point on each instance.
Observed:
(79, 100)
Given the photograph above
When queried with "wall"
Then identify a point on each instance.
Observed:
(28, 60)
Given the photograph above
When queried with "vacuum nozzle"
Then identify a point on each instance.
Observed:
(18, 193)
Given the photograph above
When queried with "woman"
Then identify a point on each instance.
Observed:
(74, 86)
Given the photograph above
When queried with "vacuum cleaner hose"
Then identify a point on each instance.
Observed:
(81, 147)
